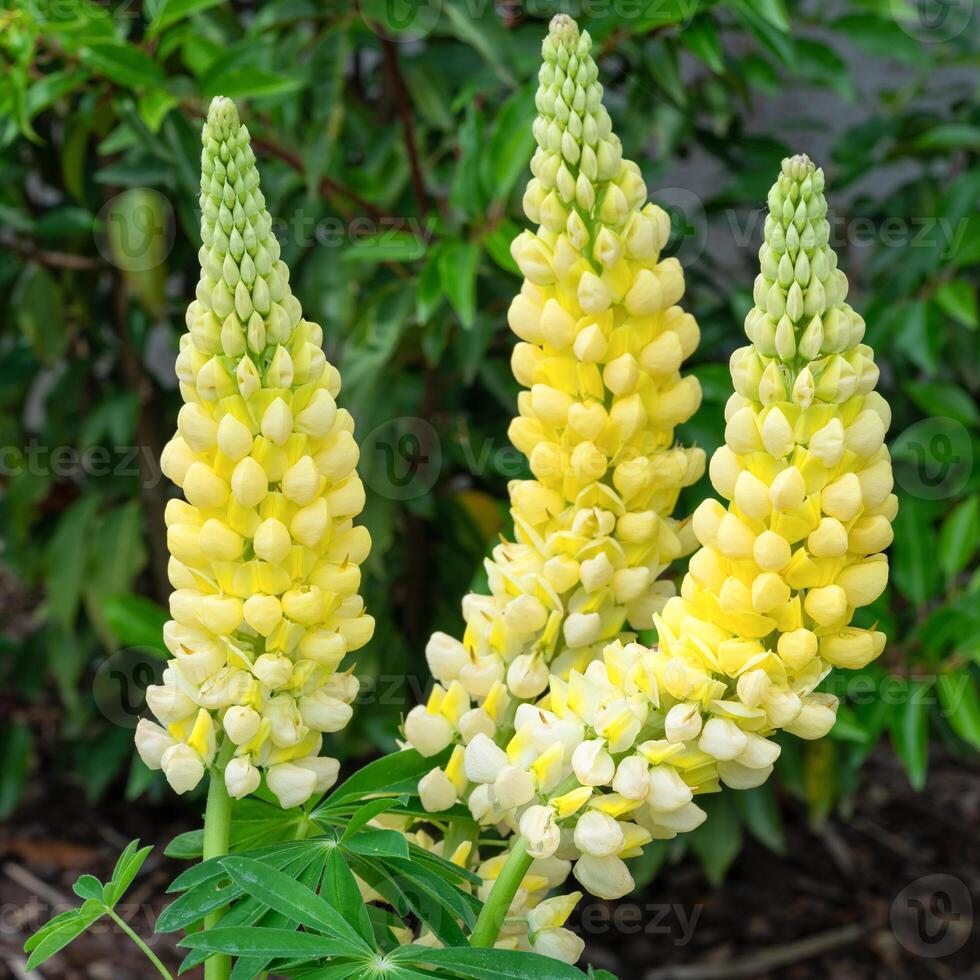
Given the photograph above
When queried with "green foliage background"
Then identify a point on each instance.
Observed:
(394, 148)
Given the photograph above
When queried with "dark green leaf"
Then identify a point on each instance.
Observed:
(123, 63)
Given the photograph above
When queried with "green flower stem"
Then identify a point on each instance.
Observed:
(217, 824)
(150, 955)
(494, 910)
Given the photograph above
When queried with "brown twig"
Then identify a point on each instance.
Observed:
(328, 186)
(757, 964)
(398, 87)
(54, 260)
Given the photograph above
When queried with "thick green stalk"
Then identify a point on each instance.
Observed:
(217, 824)
(494, 911)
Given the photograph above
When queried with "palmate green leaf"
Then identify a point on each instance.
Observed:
(378, 843)
(365, 814)
(294, 900)
(98, 900)
(412, 892)
(60, 931)
(127, 868)
(391, 775)
(268, 943)
(340, 889)
(215, 890)
(487, 964)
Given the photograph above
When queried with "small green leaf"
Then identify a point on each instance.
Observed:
(457, 271)
(760, 814)
(944, 400)
(960, 536)
(136, 621)
(389, 246)
(950, 136)
(701, 39)
(171, 11)
(910, 731)
(123, 64)
(249, 83)
(88, 887)
(718, 840)
(127, 868)
(960, 704)
(958, 298)
(16, 745)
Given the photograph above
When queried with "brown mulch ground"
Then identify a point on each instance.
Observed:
(887, 894)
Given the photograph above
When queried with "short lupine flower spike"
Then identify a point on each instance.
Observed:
(264, 549)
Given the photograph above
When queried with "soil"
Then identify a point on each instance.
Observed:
(887, 893)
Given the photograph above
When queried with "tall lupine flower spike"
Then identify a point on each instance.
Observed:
(264, 551)
(615, 755)
(601, 345)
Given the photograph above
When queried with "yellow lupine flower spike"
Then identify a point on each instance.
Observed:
(808, 482)
(264, 549)
(601, 343)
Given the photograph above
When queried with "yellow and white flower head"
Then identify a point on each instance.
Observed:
(768, 601)
(264, 549)
(601, 343)
(617, 749)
